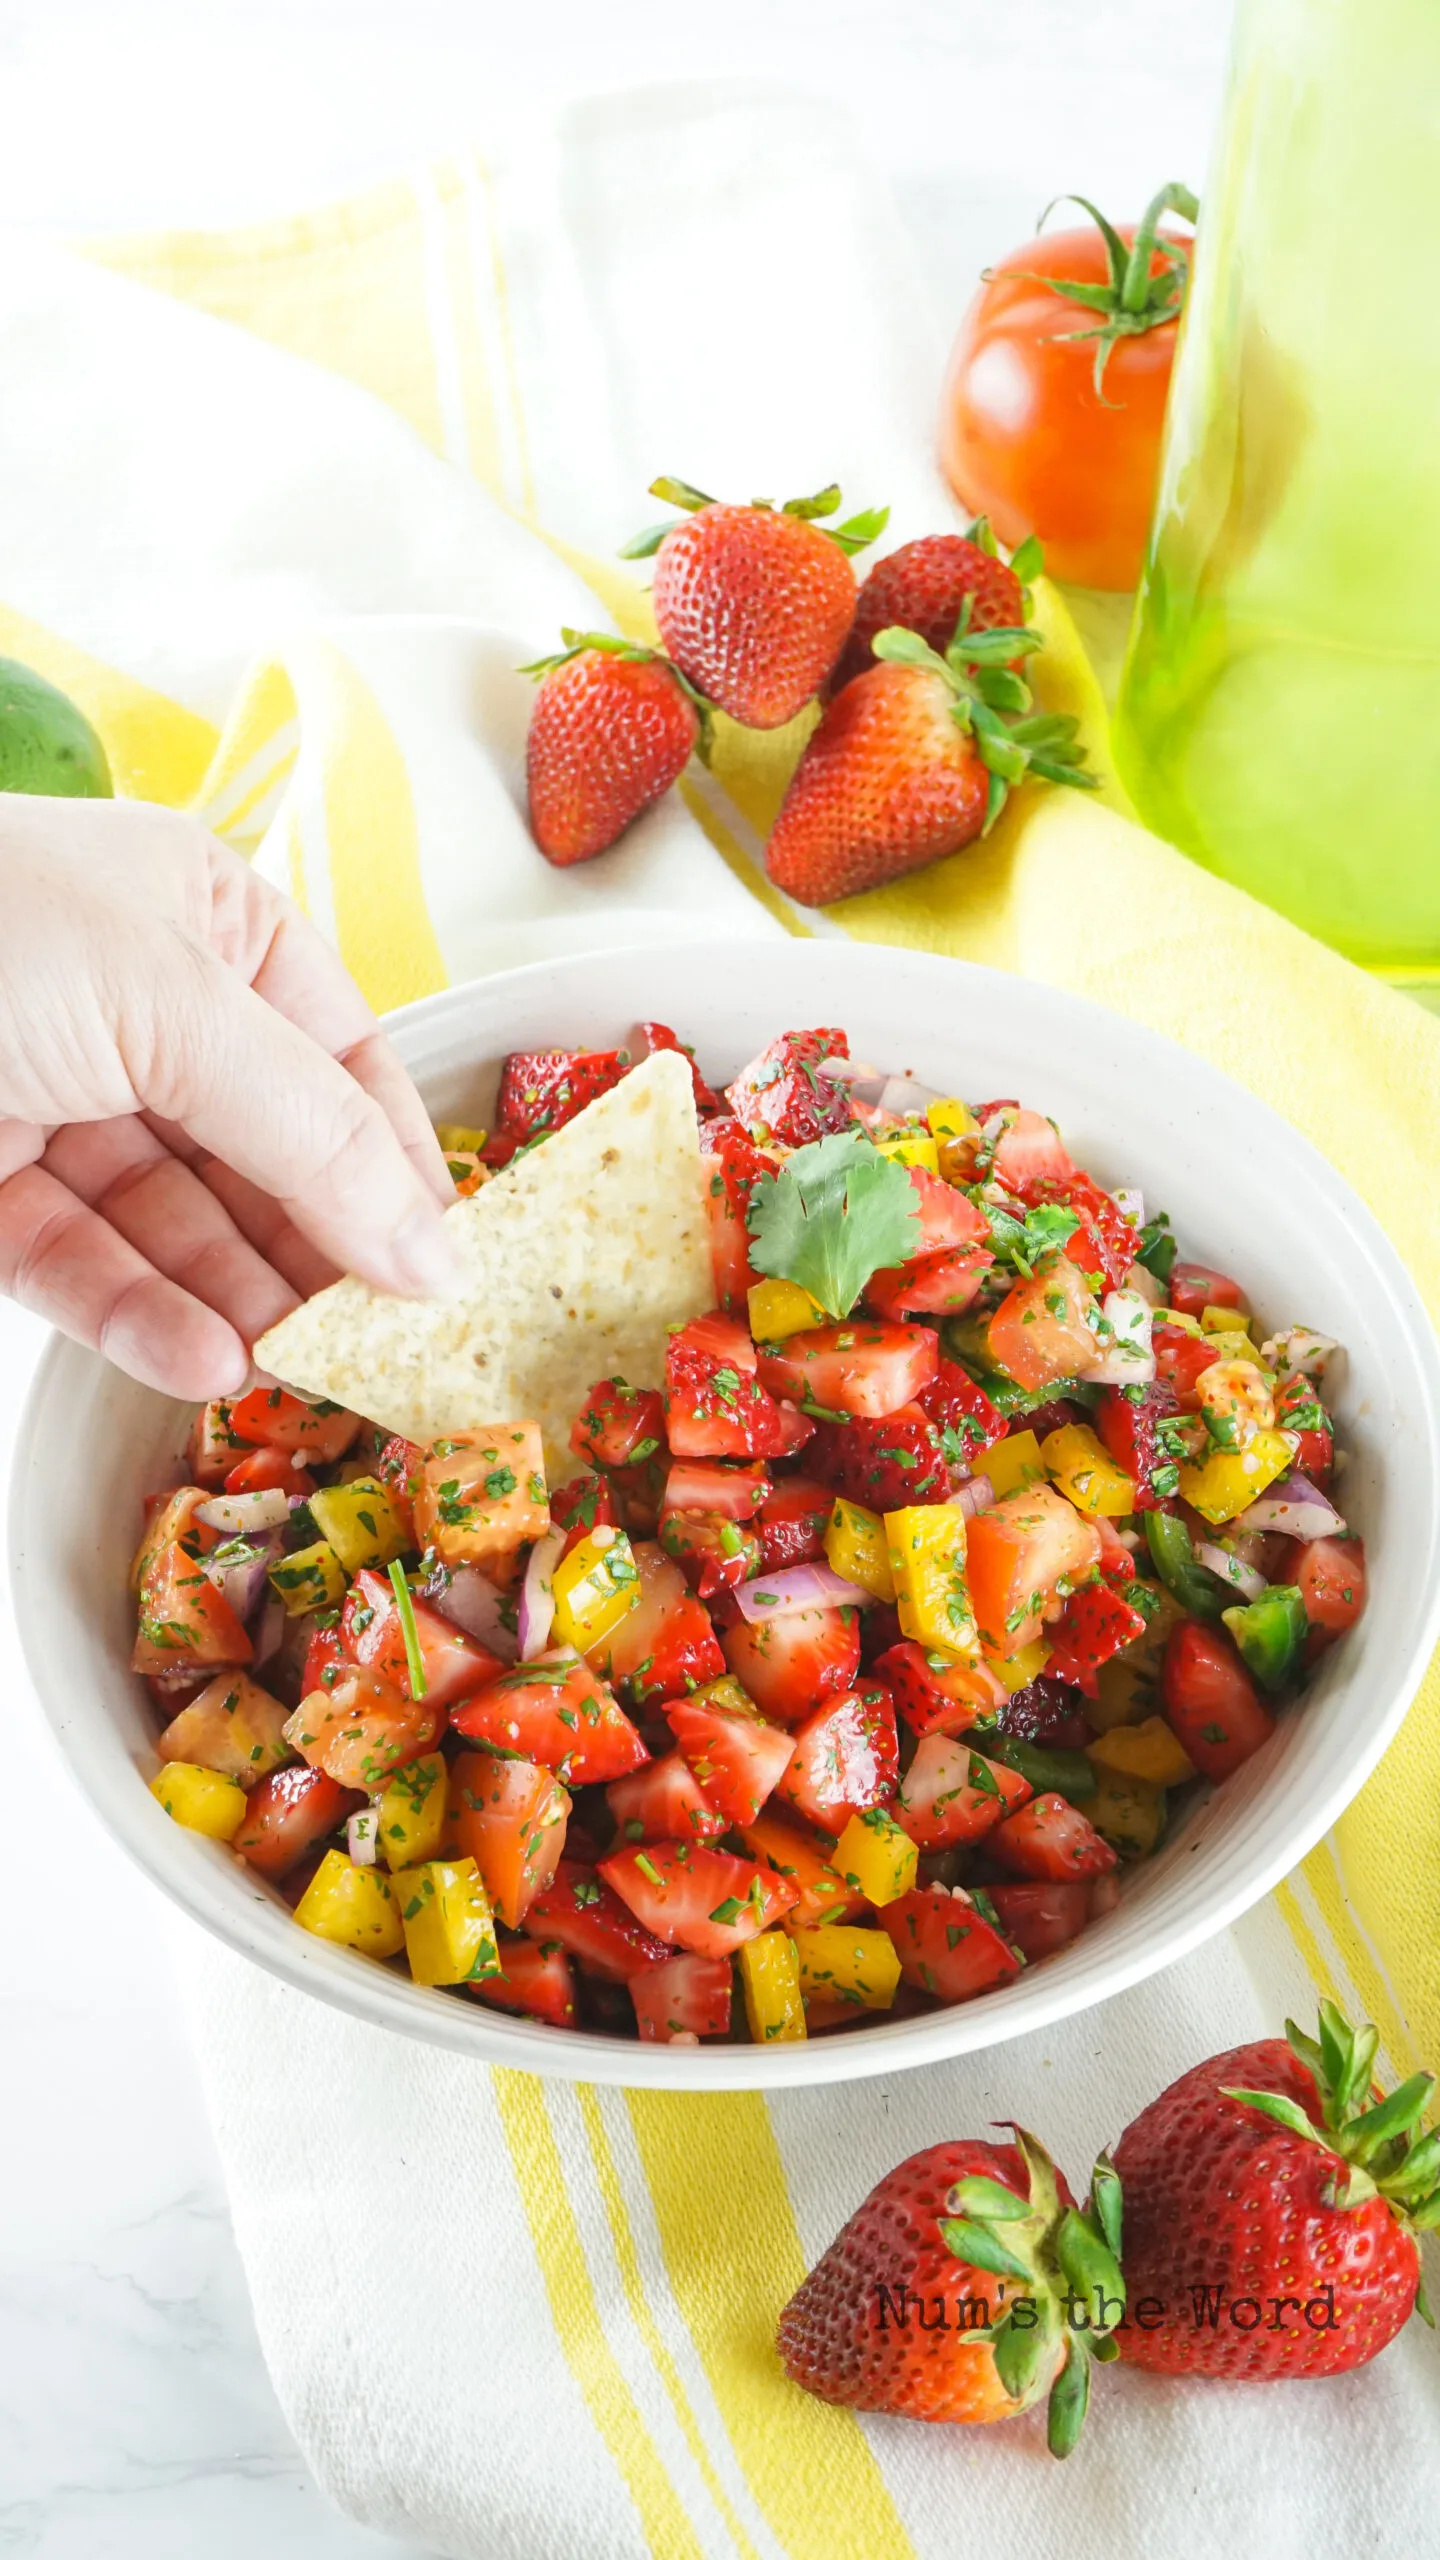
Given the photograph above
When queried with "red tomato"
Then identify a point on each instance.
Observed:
(950, 1794)
(400, 1466)
(1194, 1285)
(1211, 1703)
(1038, 1334)
(1329, 1575)
(269, 1471)
(533, 1982)
(362, 1728)
(1180, 1358)
(1052, 1841)
(185, 1623)
(945, 1944)
(325, 1657)
(509, 1816)
(788, 1665)
(701, 1899)
(580, 1913)
(288, 1813)
(737, 1755)
(687, 1996)
(271, 1418)
(861, 1368)
(1298, 1408)
(663, 1802)
(1026, 439)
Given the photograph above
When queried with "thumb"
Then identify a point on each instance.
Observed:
(255, 1090)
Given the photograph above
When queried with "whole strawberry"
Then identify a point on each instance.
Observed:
(613, 726)
(944, 2297)
(754, 603)
(933, 586)
(1271, 2211)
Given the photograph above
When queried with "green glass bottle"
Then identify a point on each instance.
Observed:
(1279, 712)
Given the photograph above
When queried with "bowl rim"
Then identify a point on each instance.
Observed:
(202, 1886)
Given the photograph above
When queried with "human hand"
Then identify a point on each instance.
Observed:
(200, 1119)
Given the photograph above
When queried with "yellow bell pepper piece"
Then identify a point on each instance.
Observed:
(1148, 1750)
(1222, 1320)
(875, 1855)
(909, 1146)
(458, 1140)
(727, 1693)
(360, 1522)
(1232, 1479)
(1022, 1667)
(595, 1586)
(352, 1907)
(927, 1565)
(1184, 1324)
(856, 1545)
(1013, 1463)
(858, 1965)
(448, 1924)
(411, 1813)
(770, 1980)
(1127, 1812)
(200, 1799)
(1079, 1463)
(314, 1578)
(951, 1118)
(781, 1307)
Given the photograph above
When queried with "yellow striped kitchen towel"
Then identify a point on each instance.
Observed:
(348, 471)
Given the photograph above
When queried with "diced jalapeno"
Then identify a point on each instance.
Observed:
(1179, 1567)
(1269, 1633)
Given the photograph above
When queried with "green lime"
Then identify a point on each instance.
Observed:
(46, 742)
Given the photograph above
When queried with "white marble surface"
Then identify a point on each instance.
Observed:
(136, 2422)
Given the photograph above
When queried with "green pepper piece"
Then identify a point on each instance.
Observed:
(1050, 1773)
(1179, 1567)
(1269, 1633)
(1158, 1247)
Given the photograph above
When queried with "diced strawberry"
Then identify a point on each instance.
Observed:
(805, 1857)
(796, 1430)
(1194, 1285)
(715, 1406)
(790, 1665)
(214, 1445)
(1050, 1840)
(1298, 1408)
(1029, 1149)
(738, 1756)
(779, 1095)
(1094, 1625)
(558, 1712)
(1330, 1576)
(585, 1503)
(1128, 1420)
(945, 1944)
(578, 1911)
(705, 1900)
(935, 1284)
(1017, 1553)
(540, 1089)
(736, 1492)
(1105, 1241)
(951, 1795)
(271, 1418)
(847, 1757)
(533, 1982)
(509, 1816)
(730, 1168)
(966, 1420)
(863, 1368)
(792, 1522)
(270, 1471)
(935, 1695)
(714, 1553)
(665, 1646)
(185, 1623)
(618, 1426)
(361, 1729)
(657, 1036)
(1179, 1360)
(884, 1465)
(664, 1801)
(1116, 1561)
(456, 1665)
(1038, 1334)
(288, 1813)
(325, 1659)
(1040, 1919)
(686, 1996)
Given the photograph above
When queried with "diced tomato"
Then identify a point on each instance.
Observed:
(214, 1445)
(868, 1369)
(1016, 1554)
(533, 1982)
(847, 1757)
(1105, 1241)
(1180, 1358)
(456, 1665)
(1329, 1574)
(540, 1089)
(664, 1801)
(1051, 1840)
(945, 1944)
(950, 1794)
(805, 1857)
(687, 1996)
(714, 1554)
(585, 1503)
(170, 1522)
(172, 1690)
(779, 1095)
(967, 1422)
(509, 1816)
(185, 1623)
(665, 1646)
(1029, 1149)
(792, 1522)
(579, 1912)
(1194, 1285)
(736, 1492)
(325, 1659)
(657, 1036)
(884, 1465)
(715, 1406)
(935, 1284)
(270, 1471)
(618, 1426)
(361, 1729)
(556, 1711)
(288, 1813)
(730, 1168)
(1128, 1420)
(1093, 1626)
(271, 1418)
(935, 1695)
(703, 1899)
(1038, 1334)
(1298, 1408)
(789, 1665)
(1210, 1702)
(738, 1756)
(1040, 1919)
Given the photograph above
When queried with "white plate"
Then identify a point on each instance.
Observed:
(1245, 1193)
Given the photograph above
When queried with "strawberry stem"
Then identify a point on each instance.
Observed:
(852, 536)
(1374, 2142)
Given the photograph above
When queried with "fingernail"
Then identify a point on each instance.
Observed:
(425, 1261)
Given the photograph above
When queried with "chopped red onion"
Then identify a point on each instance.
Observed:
(848, 1071)
(974, 1495)
(904, 1094)
(362, 1837)
(537, 1598)
(1241, 1577)
(269, 1630)
(1130, 1203)
(801, 1586)
(238, 1570)
(242, 1514)
(1125, 1358)
(1297, 1508)
(1299, 1352)
(469, 1600)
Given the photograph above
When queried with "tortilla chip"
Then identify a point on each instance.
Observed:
(577, 1258)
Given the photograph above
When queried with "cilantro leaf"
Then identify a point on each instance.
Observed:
(834, 1213)
(1043, 1229)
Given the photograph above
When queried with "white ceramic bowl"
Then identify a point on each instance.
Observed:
(1244, 1191)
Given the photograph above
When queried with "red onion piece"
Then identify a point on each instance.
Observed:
(362, 1837)
(800, 1586)
(468, 1600)
(1296, 1507)
(975, 1494)
(1233, 1570)
(849, 1071)
(1131, 1204)
(904, 1094)
(241, 1515)
(537, 1599)
(269, 1630)
(238, 1570)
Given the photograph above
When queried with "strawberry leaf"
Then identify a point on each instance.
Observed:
(835, 1213)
